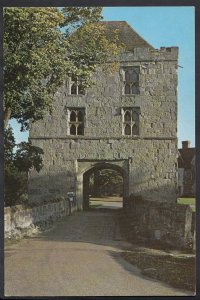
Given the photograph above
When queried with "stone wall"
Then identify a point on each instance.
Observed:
(20, 220)
(152, 155)
(157, 99)
(151, 166)
(165, 223)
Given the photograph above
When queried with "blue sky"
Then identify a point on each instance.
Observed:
(163, 27)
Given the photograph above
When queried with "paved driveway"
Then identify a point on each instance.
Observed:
(81, 257)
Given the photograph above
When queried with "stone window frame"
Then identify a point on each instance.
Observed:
(76, 121)
(75, 85)
(130, 121)
(130, 85)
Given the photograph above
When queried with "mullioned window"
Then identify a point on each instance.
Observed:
(131, 80)
(76, 85)
(76, 121)
(130, 121)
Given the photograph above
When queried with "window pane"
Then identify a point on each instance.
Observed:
(74, 89)
(127, 89)
(127, 116)
(135, 89)
(127, 76)
(80, 130)
(135, 117)
(73, 116)
(81, 90)
(127, 130)
(134, 76)
(134, 130)
(73, 129)
(80, 116)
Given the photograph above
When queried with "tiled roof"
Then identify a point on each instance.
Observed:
(127, 35)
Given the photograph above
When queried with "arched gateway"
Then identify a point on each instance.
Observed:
(126, 121)
(86, 168)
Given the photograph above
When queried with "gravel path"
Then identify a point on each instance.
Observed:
(79, 257)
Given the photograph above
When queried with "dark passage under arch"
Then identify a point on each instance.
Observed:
(108, 189)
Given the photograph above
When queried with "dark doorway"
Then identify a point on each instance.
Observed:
(103, 188)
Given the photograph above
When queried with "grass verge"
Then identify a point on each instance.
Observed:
(95, 205)
(189, 201)
(178, 270)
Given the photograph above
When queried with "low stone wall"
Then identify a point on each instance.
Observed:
(20, 220)
(165, 223)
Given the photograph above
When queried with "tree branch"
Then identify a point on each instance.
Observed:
(6, 116)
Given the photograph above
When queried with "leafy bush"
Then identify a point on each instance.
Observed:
(15, 185)
(16, 167)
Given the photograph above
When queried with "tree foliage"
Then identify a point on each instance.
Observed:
(15, 186)
(17, 164)
(75, 17)
(25, 157)
(106, 180)
(109, 177)
(38, 55)
(42, 46)
(33, 61)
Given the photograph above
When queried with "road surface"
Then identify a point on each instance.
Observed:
(80, 256)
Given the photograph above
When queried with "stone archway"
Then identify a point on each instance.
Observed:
(86, 168)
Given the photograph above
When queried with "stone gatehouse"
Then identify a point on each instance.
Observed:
(126, 121)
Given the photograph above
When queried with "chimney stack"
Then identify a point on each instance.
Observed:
(185, 144)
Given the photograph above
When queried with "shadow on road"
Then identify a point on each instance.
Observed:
(99, 226)
(84, 245)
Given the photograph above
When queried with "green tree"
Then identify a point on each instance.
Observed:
(106, 180)
(17, 164)
(42, 46)
(38, 55)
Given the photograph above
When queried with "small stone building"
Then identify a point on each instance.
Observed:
(186, 170)
(126, 121)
